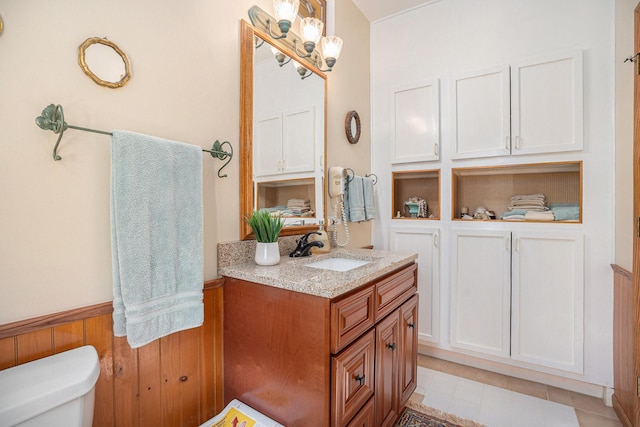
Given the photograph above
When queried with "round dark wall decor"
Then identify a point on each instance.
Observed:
(352, 126)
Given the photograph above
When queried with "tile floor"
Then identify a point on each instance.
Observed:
(501, 401)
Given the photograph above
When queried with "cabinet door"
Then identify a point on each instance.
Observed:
(546, 104)
(267, 145)
(480, 291)
(299, 140)
(353, 373)
(386, 395)
(416, 120)
(547, 299)
(424, 242)
(481, 113)
(408, 355)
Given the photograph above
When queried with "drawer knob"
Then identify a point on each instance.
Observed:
(360, 379)
(411, 325)
(392, 346)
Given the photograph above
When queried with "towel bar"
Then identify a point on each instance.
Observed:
(52, 118)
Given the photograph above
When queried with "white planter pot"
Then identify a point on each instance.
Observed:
(267, 253)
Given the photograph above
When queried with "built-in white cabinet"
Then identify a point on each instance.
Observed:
(285, 142)
(425, 242)
(528, 107)
(519, 295)
(416, 122)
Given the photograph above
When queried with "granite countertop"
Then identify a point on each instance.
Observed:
(293, 274)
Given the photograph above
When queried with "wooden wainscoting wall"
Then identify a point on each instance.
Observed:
(624, 379)
(173, 381)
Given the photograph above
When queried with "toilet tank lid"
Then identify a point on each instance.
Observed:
(33, 388)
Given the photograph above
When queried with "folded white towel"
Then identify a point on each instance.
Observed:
(156, 237)
(539, 216)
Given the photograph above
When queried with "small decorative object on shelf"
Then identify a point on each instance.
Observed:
(266, 228)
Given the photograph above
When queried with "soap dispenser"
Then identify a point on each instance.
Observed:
(322, 237)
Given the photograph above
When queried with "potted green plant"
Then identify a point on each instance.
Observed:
(266, 228)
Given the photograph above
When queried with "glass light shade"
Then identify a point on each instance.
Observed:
(331, 47)
(311, 30)
(286, 10)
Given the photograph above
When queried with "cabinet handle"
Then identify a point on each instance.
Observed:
(411, 325)
(517, 142)
(391, 346)
(360, 379)
(507, 144)
(435, 240)
(517, 248)
(506, 244)
(435, 149)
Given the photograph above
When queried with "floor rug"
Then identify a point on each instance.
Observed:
(418, 415)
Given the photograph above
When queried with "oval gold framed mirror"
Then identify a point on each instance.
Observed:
(104, 62)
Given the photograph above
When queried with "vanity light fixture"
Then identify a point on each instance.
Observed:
(280, 57)
(286, 12)
(311, 29)
(304, 72)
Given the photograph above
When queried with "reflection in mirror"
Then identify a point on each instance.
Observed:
(104, 62)
(282, 135)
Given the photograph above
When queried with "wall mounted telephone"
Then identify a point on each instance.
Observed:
(337, 182)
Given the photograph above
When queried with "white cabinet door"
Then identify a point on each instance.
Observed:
(546, 104)
(267, 145)
(533, 106)
(481, 113)
(416, 122)
(547, 299)
(480, 291)
(424, 242)
(299, 140)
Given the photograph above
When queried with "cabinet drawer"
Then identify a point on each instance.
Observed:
(394, 290)
(352, 379)
(366, 417)
(350, 318)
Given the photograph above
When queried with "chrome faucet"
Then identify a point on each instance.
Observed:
(304, 247)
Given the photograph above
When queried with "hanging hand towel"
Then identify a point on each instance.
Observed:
(354, 202)
(156, 237)
(369, 199)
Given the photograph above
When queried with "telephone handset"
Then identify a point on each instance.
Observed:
(337, 182)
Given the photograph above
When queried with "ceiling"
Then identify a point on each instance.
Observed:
(374, 10)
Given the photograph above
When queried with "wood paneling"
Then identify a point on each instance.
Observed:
(174, 381)
(623, 343)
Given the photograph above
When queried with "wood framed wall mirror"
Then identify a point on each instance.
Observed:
(282, 134)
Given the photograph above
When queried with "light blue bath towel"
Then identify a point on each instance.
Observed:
(156, 237)
(370, 211)
(354, 200)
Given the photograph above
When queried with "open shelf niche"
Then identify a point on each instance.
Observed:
(423, 184)
(270, 194)
(491, 187)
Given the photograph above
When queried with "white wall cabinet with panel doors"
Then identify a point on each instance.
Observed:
(285, 142)
(425, 242)
(519, 295)
(416, 122)
(529, 107)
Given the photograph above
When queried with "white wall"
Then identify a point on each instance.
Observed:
(624, 133)
(55, 249)
(451, 37)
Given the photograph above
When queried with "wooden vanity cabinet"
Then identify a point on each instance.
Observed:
(305, 360)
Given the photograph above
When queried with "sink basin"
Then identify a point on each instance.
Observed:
(337, 264)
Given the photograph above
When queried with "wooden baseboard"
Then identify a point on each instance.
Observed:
(624, 419)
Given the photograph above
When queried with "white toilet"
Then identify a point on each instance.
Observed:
(54, 391)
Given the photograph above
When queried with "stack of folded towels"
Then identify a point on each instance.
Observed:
(565, 211)
(297, 207)
(530, 207)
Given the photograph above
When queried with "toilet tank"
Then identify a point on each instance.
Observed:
(54, 391)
